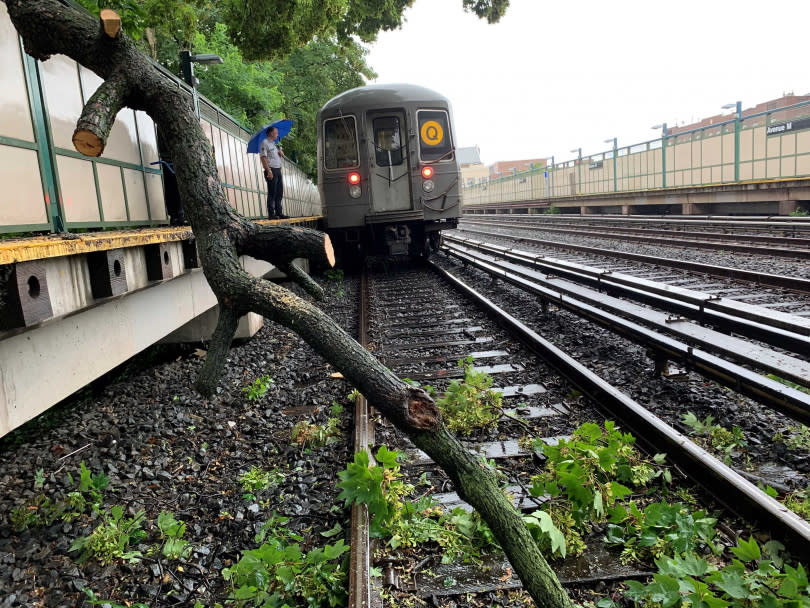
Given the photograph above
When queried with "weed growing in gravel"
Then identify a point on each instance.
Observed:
(336, 275)
(257, 479)
(470, 404)
(799, 502)
(406, 523)
(586, 478)
(307, 434)
(280, 573)
(171, 532)
(798, 437)
(715, 436)
(756, 577)
(258, 389)
(113, 537)
(41, 510)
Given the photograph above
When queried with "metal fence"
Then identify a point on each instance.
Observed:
(48, 186)
(771, 145)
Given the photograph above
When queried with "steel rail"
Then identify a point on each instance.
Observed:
(737, 349)
(762, 250)
(777, 222)
(789, 401)
(658, 232)
(728, 487)
(775, 280)
(776, 328)
(360, 550)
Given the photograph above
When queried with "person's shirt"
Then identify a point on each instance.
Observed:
(269, 150)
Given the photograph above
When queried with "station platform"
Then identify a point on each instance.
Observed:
(75, 306)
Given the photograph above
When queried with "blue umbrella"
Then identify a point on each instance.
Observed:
(256, 140)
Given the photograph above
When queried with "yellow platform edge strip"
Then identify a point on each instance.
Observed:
(59, 245)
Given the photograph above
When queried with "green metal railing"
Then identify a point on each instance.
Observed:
(771, 145)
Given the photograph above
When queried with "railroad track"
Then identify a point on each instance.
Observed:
(420, 328)
(670, 267)
(790, 239)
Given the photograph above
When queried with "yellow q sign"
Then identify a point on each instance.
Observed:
(432, 133)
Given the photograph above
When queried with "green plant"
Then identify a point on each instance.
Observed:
(112, 538)
(660, 529)
(315, 435)
(800, 213)
(470, 404)
(257, 479)
(799, 502)
(258, 388)
(716, 436)
(405, 523)
(172, 531)
(790, 384)
(552, 210)
(588, 476)
(354, 395)
(379, 487)
(279, 573)
(42, 510)
(752, 579)
(798, 437)
(336, 275)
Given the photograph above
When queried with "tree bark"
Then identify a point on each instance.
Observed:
(49, 27)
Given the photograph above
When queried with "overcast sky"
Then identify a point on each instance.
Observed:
(555, 75)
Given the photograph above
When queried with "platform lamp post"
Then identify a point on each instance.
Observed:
(663, 128)
(737, 126)
(579, 167)
(187, 61)
(550, 177)
(615, 153)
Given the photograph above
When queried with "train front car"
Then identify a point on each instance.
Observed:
(388, 175)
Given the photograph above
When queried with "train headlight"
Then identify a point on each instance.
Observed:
(355, 191)
(427, 172)
(428, 185)
(354, 178)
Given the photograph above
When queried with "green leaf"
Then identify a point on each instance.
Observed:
(333, 531)
(747, 551)
(732, 582)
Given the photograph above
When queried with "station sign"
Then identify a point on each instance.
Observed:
(787, 126)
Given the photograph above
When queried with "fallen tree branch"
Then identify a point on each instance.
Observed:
(49, 27)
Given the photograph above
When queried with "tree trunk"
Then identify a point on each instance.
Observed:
(49, 27)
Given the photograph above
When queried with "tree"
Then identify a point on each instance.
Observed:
(130, 79)
(312, 75)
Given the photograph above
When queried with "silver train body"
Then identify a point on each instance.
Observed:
(387, 170)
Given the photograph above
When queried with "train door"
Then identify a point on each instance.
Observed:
(388, 174)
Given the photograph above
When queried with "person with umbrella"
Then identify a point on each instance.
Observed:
(271, 154)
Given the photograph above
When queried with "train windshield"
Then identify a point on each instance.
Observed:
(387, 141)
(434, 135)
(340, 143)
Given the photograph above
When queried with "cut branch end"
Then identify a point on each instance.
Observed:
(110, 22)
(87, 142)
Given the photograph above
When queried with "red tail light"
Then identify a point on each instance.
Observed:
(354, 178)
(427, 172)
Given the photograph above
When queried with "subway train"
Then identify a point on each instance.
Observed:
(388, 174)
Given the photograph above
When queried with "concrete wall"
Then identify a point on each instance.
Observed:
(45, 363)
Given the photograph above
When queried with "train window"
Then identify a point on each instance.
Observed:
(387, 142)
(340, 143)
(434, 135)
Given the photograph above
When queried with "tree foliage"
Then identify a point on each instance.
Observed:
(248, 91)
(282, 58)
(311, 76)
